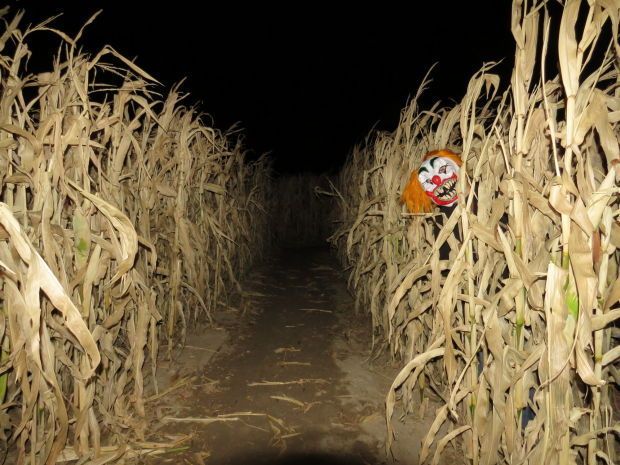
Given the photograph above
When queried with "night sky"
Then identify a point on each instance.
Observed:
(304, 81)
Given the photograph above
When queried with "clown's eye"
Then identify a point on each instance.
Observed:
(442, 170)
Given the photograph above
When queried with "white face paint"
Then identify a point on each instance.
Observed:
(438, 176)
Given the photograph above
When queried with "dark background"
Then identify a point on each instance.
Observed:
(304, 81)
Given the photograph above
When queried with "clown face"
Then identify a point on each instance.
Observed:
(438, 176)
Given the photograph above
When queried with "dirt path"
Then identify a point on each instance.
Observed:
(285, 380)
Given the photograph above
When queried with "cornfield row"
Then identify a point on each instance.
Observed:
(125, 218)
(503, 307)
(300, 214)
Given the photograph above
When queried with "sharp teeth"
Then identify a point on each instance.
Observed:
(444, 191)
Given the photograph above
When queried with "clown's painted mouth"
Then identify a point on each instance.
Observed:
(447, 191)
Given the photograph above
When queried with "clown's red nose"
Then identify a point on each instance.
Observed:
(436, 180)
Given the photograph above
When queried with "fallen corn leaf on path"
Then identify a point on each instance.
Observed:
(284, 379)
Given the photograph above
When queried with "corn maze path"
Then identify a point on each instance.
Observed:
(290, 383)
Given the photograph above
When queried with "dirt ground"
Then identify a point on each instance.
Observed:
(283, 379)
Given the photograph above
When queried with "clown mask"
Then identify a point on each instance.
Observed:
(438, 177)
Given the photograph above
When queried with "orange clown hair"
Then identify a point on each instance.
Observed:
(414, 195)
